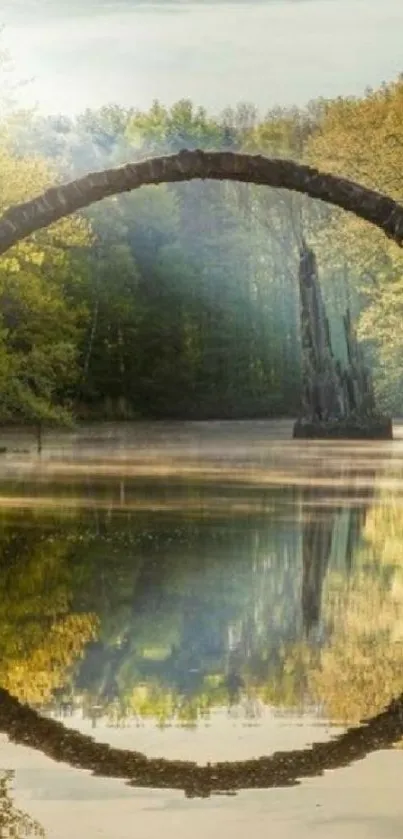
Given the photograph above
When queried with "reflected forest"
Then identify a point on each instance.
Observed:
(169, 617)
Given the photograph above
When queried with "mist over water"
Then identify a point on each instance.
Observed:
(216, 53)
(198, 592)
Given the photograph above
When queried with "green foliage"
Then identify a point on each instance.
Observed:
(175, 299)
(359, 671)
(362, 139)
(39, 329)
(182, 300)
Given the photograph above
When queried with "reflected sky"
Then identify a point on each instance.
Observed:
(251, 605)
(361, 801)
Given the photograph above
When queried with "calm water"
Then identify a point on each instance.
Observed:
(196, 610)
(269, 53)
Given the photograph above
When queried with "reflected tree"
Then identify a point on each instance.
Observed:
(360, 667)
(41, 636)
(132, 620)
(14, 822)
(316, 548)
(200, 615)
(281, 769)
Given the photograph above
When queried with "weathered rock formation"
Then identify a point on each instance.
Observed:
(337, 400)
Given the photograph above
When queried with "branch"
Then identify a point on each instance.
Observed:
(374, 207)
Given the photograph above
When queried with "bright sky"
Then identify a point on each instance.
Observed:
(360, 802)
(217, 54)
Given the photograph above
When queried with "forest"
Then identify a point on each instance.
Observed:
(127, 617)
(181, 301)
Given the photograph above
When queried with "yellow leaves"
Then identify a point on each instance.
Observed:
(10, 264)
(384, 534)
(38, 258)
(72, 232)
(151, 702)
(362, 139)
(33, 677)
(358, 139)
(41, 639)
(358, 678)
(21, 178)
(360, 669)
(286, 685)
(280, 134)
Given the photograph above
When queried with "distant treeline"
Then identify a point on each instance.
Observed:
(181, 300)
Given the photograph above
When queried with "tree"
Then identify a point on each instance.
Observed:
(39, 328)
(244, 367)
(359, 668)
(41, 637)
(362, 138)
(13, 821)
(193, 340)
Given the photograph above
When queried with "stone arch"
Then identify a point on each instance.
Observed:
(57, 202)
(25, 726)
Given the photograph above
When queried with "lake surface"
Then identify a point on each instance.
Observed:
(195, 619)
(277, 52)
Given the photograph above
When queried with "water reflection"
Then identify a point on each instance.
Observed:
(227, 607)
(282, 769)
(133, 617)
(13, 821)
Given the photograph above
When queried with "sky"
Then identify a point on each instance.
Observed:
(278, 52)
(362, 801)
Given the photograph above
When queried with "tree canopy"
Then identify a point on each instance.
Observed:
(182, 301)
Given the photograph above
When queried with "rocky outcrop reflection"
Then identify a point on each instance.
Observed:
(25, 726)
(361, 666)
(320, 530)
(316, 547)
